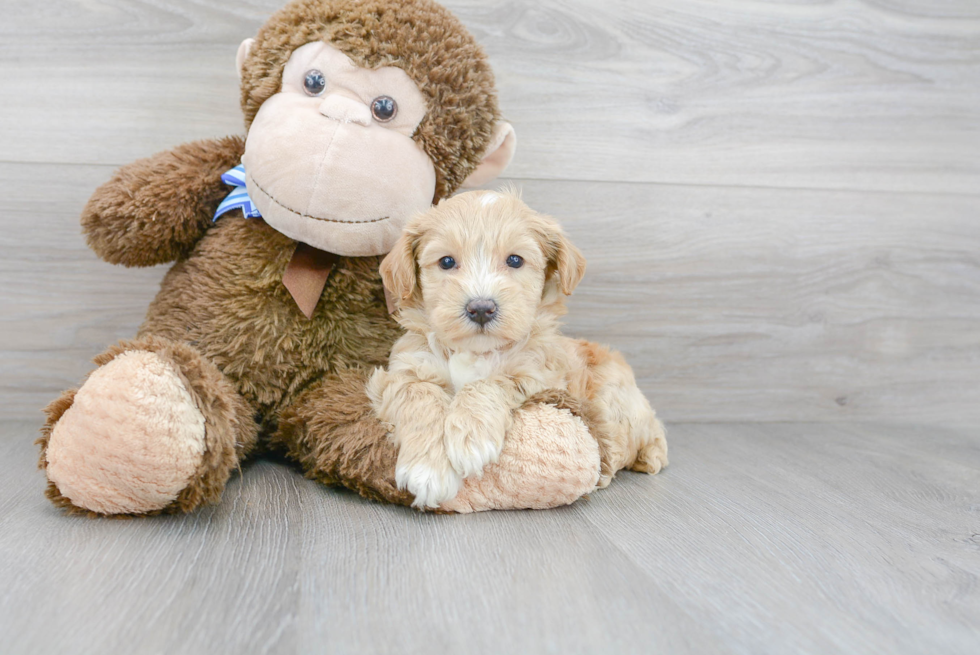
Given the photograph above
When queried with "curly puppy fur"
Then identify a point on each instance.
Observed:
(456, 377)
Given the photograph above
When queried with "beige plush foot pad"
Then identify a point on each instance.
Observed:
(131, 441)
(549, 459)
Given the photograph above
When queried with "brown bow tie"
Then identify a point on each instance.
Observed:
(306, 275)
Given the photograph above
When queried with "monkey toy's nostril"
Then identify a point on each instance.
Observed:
(481, 311)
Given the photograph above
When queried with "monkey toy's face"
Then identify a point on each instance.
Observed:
(330, 159)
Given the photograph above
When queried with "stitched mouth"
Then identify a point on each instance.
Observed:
(315, 218)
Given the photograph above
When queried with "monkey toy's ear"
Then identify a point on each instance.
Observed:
(243, 50)
(497, 157)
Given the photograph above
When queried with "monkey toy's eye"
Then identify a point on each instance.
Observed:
(515, 261)
(384, 109)
(447, 263)
(314, 82)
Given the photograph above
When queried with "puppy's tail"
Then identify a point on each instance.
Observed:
(629, 433)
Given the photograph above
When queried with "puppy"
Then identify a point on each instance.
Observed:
(480, 282)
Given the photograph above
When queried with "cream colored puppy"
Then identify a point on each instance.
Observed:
(480, 282)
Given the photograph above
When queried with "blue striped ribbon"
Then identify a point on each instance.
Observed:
(238, 198)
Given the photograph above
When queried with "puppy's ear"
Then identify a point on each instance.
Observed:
(398, 270)
(569, 265)
(565, 261)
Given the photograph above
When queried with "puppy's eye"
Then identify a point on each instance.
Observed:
(314, 83)
(447, 263)
(515, 261)
(384, 109)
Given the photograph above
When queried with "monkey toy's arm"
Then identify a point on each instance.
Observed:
(154, 210)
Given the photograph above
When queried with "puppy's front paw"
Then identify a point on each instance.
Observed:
(431, 485)
(471, 445)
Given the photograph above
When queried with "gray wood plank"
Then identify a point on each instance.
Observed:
(871, 95)
(765, 531)
(59, 304)
(757, 539)
(731, 304)
(756, 305)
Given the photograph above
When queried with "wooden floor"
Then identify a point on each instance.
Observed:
(779, 538)
(780, 204)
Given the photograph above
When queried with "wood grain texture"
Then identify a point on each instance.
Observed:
(874, 95)
(748, 304)
(731, 304)
(758, 539)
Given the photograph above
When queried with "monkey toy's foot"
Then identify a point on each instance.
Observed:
(131, 440)
(141, 435)
(549, 459)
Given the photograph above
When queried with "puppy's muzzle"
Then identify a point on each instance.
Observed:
(481, 311)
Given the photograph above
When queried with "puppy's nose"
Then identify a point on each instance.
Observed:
(481, 310)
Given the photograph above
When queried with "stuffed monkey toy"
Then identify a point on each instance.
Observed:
(358, 114)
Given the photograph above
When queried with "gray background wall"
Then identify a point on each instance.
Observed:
(780, 202)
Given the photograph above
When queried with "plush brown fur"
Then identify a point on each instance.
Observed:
(257, 367)
(449, 66)
(228, 300)
(155, 210)
(332, 433)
